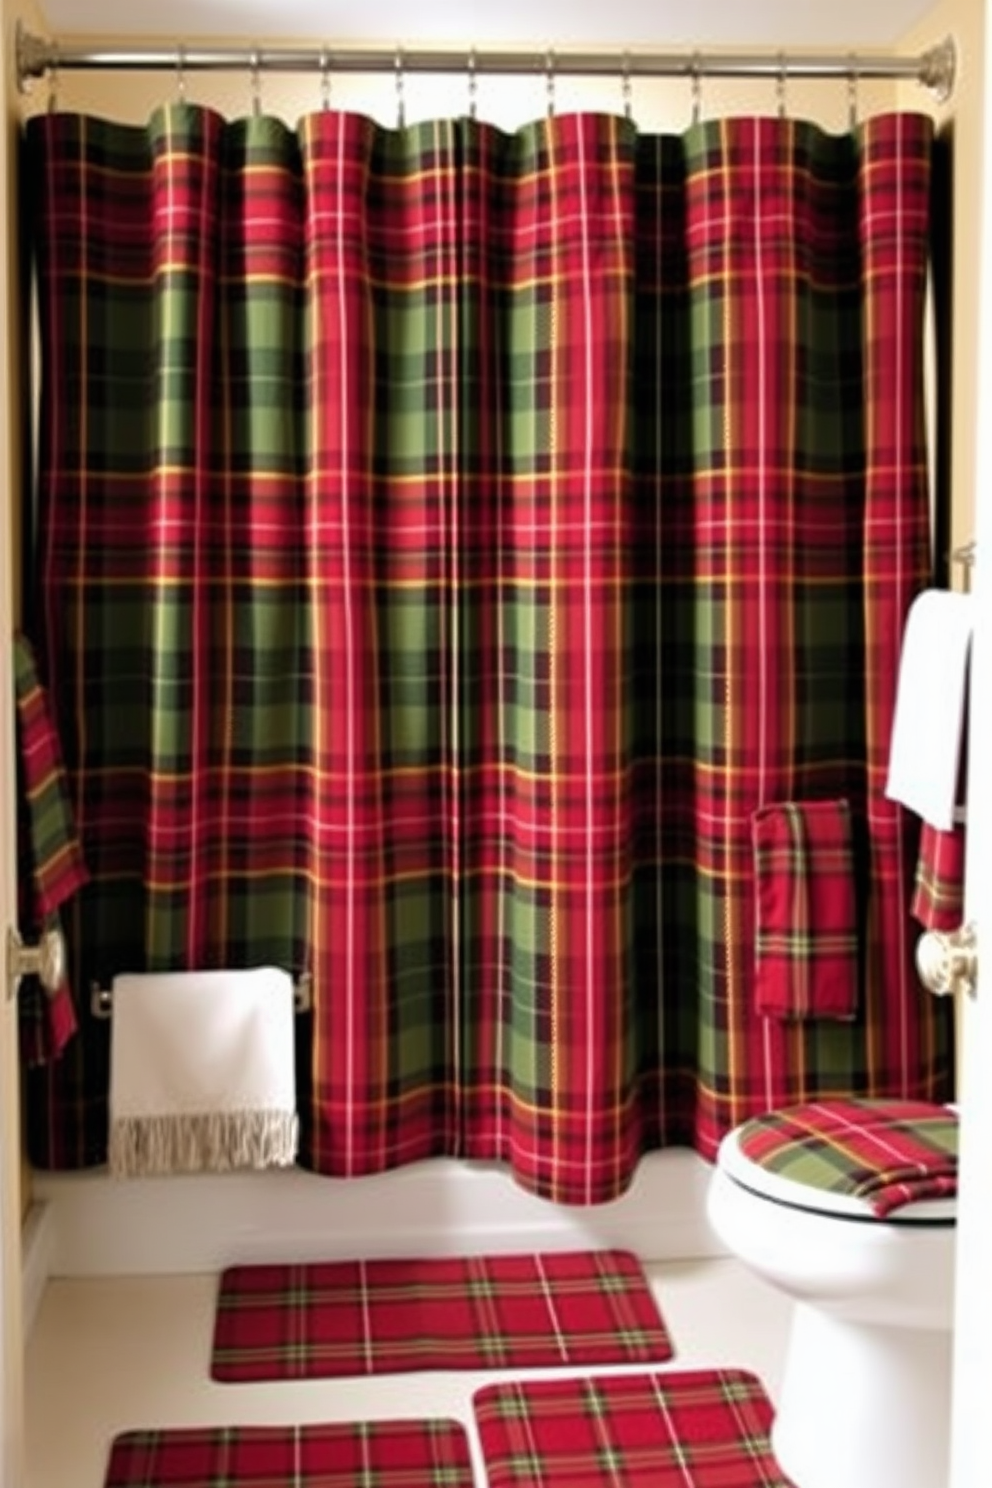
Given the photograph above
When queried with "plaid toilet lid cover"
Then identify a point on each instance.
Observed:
(877, 1155)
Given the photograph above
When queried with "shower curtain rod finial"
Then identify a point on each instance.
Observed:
(33, 55)
(938, 69)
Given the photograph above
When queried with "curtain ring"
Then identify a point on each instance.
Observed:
(53, 80)
(626, 87)
(783, 72)
(180, 73)
(549, 72)
(696, 71)
(400, 103)
(473, 85)
(852, 93)
(256, 83)
(325, 78)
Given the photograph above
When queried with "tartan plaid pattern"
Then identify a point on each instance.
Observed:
(888, 1152)
(391, 1316)
(702, 1429)
(379, 1454)
(51, 866)
(938, 897)
(806, 935)
(447, 539)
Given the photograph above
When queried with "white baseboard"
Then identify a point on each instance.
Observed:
(103, 1226)
(38, 1235)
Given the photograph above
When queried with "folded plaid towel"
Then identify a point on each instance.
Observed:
(888, 1152)
(51, 867)
(806, 931)
(938, 898)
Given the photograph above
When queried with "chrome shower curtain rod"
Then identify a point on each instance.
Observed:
(934, 69)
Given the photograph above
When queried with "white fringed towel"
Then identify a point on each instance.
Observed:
(928, 729)
(202, 1072)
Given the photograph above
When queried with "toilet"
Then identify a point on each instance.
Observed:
(865, 1393)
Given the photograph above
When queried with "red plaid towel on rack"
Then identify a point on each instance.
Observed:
(806, 934)
(938, 898)
(888, 1152)
(50, 860)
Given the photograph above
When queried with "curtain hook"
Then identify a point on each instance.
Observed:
(783, 71)
(549, 72)
(627, 90)
(325, 78)
(53, 80)
(852, 93)
(696, 70)
(256, 83)
(181, 73)
(400, 105)
(473, 85)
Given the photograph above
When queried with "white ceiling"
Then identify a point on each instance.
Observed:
(841, 24)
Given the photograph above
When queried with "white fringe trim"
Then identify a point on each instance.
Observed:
(147, 1146)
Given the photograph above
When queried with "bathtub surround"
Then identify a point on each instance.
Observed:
(465, 533)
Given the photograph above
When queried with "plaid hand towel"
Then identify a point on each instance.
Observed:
(51, 867)
(806, 934)
(938, 898)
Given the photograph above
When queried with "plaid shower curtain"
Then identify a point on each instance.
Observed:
(445, 541)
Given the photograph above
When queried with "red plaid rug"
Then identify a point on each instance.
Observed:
(706, 1429)
(388, 1454)
(576, 1308)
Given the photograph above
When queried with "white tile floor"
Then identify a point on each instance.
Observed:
(110, 1355)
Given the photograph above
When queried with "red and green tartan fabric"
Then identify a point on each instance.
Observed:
(447, 538)
(938, 897)
(806, 935)
(50, 861)
(702, 1429)
(340, 1318)
(378, 1454)
(887, 1152)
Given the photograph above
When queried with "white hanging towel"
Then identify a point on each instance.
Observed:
(202, 1072)
(927, 732)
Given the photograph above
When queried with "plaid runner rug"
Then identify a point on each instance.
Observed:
(888, 1152)
(705, 1429)
(391, 1316)
(383, 1454)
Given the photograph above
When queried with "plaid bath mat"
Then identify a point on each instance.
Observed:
(887, 1152)
(340, 1318)
(703, 1429)
(388, 1454)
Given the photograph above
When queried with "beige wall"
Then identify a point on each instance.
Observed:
(960, 125)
